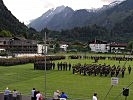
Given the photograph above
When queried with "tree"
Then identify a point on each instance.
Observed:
(5, 33)
(56, 47)
(130, 45)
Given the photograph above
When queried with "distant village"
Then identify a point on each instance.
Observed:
(18, 46)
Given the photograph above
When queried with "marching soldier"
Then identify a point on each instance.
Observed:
(58, 65)
(53, 65)
(69, 66)
(117, 72)
(129, 69)
(123, 72)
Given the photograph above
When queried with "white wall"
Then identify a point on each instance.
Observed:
(41, 48)
(99, 47)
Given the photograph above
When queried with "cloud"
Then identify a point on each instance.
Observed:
(109, 1)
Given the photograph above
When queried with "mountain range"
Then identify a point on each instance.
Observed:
(112, 22)
(66, 18)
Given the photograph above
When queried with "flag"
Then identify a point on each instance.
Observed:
(95, 42)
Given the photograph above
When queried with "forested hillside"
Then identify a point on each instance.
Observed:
(10, 23)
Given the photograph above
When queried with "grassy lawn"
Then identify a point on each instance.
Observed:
(24, 78)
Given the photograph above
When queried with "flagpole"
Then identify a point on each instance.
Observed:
(45, 69)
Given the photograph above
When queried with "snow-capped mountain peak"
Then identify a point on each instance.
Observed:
(52, 12)
(114, 3)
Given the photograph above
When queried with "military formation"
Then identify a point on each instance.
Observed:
(93, 69)
(15, 61)
(25, 60)
(117, 58)
(99, 70)
(64, 66)
(40, 65)
(89, 69)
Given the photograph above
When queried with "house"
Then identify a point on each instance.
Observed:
(63, 47)
(103, 46)
(117, 47)
(99, 46)
(19, 45)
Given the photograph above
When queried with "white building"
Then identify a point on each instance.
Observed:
(99, 46)
(117, 47)
(2, 50)
(63, 47)
(41, 49)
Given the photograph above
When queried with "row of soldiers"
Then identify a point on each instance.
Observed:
(117, 58)
(40, 65)
(102, 70)
(64, 66)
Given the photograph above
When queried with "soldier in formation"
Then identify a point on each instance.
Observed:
(40, 65)
(63, 66)
(129, 69)
(101, 70)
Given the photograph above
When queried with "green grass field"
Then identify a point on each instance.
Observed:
(24, 78)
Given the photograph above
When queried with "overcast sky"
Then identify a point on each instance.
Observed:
(26, 10)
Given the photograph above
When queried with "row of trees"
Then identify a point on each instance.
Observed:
(82, 34)
(73, 48)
